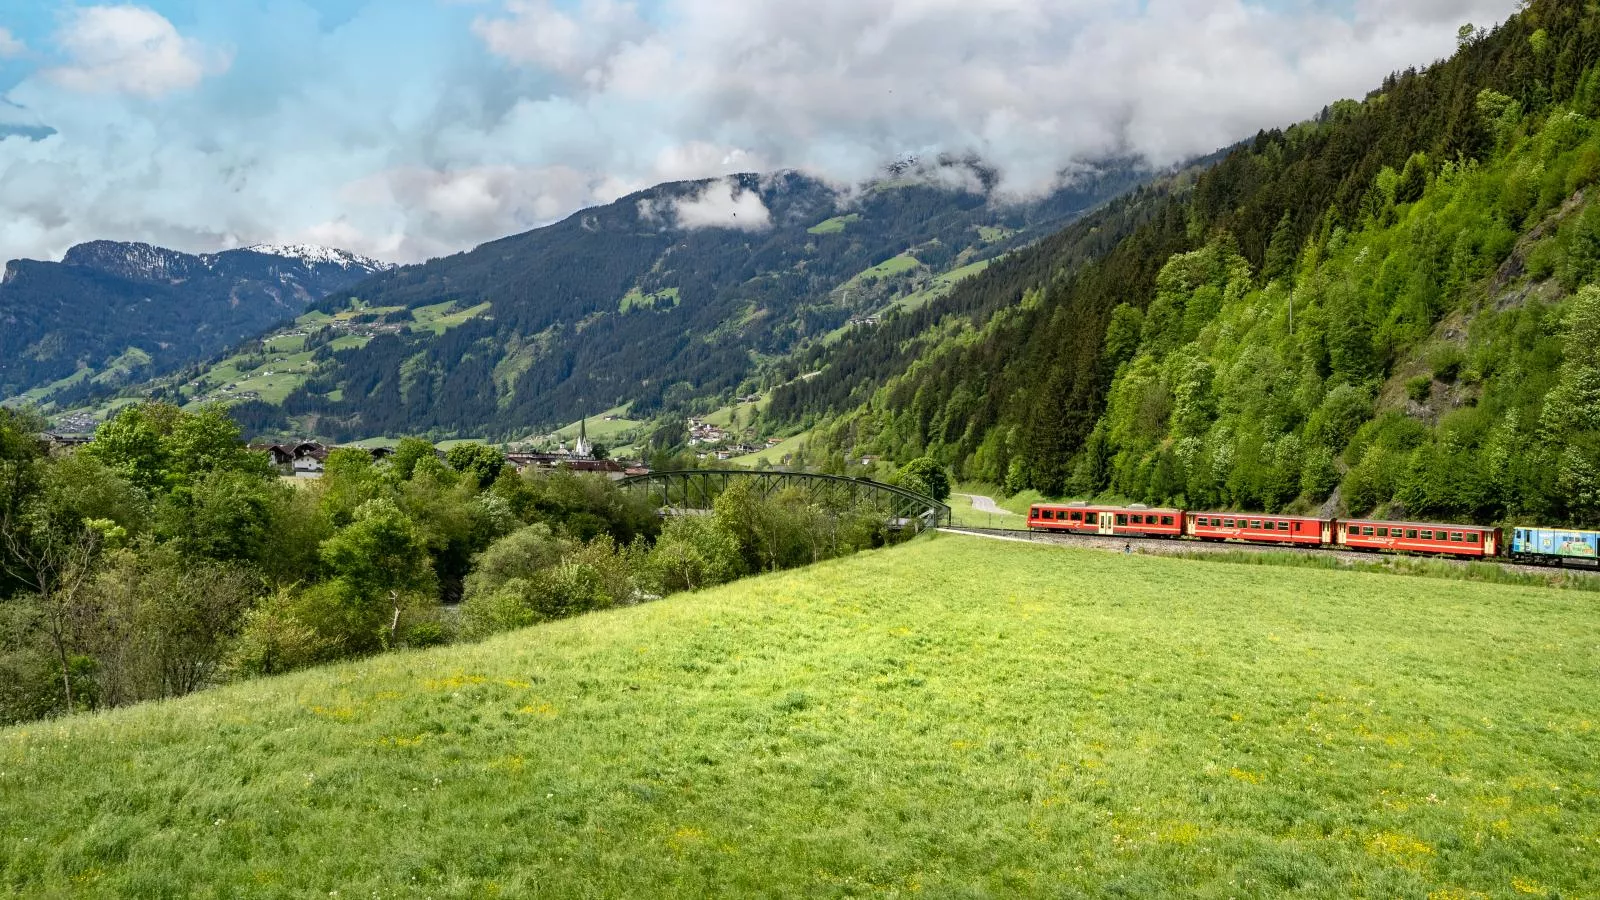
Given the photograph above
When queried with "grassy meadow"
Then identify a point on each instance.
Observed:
(956, 717)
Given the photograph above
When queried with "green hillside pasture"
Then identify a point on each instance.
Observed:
(438, 318)
(894, 265)
(955, 717)
(722, 417)
(637, 299)
(39, 393)
(835, 225)
(940, 285)
(599, 429)
(774, 455)
(285, 343)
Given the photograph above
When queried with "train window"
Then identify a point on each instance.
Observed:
(1049, 514)
(1427, 535)
(1472, 537)
(1455, 537)
(1166, 520)
(1366, 531)
(1297, 525)
(1138, 519)
(1411, 533)
(1254, 523)
(1091, 518)
(1077, 517)
(1383, 532)
(1122, 518)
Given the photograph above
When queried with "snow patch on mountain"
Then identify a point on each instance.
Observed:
(312, 254)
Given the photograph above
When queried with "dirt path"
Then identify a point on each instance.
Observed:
(983, 504)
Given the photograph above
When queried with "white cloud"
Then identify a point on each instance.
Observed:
(840, 86)
(403, 136)
(537, 33)
(132, 50)
(723, 203)
(10, 45)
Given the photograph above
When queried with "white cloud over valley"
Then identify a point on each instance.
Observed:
(410, 128)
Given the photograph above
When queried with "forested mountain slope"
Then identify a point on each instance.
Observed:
(658, 297)
(1387, 309)
(110, 313)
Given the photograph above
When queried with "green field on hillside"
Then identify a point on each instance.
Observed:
(438, 318)
(775, 454)
(835, 225)
(601, 429)
(956, 717)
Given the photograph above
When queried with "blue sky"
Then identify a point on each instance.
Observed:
(411, 128)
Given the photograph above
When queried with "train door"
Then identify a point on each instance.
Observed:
(1327, 531)
(1108, 523)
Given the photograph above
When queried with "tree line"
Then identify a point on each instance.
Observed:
(164, 556)
(1384, 309)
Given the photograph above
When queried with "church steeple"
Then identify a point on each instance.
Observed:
(583, 450)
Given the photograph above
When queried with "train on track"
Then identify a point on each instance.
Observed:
(1543, 546)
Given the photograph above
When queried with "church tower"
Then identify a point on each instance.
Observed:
(584, 450)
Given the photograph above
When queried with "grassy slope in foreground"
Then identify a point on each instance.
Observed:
(957, 716)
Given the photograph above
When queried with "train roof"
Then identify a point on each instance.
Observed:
(1554, 530)
(1107, 507)
(1433, 525)
(1257, 515)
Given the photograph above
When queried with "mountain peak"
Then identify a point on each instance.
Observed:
(313, 254)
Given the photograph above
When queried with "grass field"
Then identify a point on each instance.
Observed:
(835, 225)
(438, 318)
(956, 717)
(773, 455)
(940, 285)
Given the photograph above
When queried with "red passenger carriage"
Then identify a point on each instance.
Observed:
(1419, 537)
(1259, 529)
(1084, 518)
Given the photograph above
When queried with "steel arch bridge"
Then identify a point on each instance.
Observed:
(698, 489)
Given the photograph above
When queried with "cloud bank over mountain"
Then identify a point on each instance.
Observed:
(412, 128)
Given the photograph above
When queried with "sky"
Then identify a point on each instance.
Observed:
(407, 129)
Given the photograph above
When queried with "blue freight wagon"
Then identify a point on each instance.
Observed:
(1555, 545)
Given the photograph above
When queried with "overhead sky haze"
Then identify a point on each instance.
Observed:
(406, 129)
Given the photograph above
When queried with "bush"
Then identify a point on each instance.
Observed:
(1420, 388)
(925, 476)
(693, 552)
(276, 639)
(1447, 362)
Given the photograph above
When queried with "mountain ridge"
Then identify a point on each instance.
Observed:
(68, 323)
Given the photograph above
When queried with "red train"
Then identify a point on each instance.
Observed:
(1466, 541)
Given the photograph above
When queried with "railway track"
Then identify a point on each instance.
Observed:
(1174, 547)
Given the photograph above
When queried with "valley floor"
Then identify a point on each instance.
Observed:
(955, 717)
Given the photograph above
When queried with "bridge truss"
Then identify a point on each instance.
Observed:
(689, 490)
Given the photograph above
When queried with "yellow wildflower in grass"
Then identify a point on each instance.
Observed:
(1400, 849)
(454, 682)
(1181, 833)
(342, 713)
(510, 762)
(399, 741)
(542, 710)
(1246, 777)
(1528, 886)
(684, 838)
(1455, 893)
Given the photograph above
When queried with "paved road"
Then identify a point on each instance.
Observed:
(983, 504)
